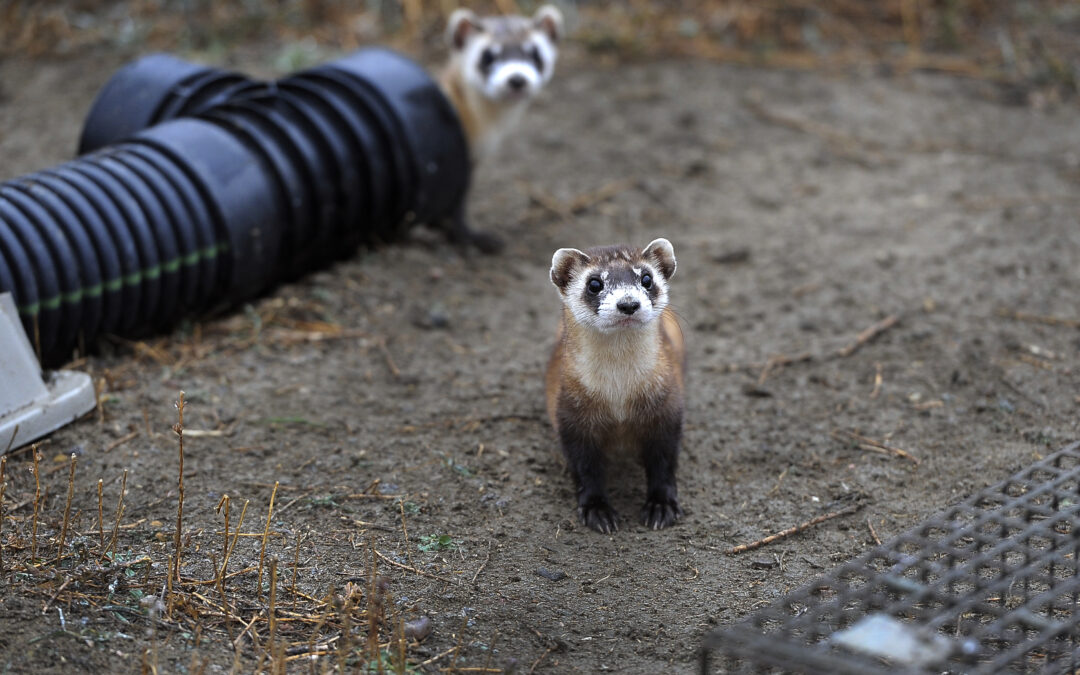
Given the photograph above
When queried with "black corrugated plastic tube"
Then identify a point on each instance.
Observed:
(203, 188)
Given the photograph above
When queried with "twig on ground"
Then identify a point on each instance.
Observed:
(871, 445)
(100, 514)
(178, 543)
(394, 370)
(779, 480)
(119, 515)
(266, 535)
(877, 381)
(408, 547)
(779, 361)
(435, 658)
(3, 489)
(742, 548)
(120, 441)
(536, 663)
(413, 569)
(1039, 318)
(873, 534)
(482, 565)
(867, 335)
(67, 509)
(37, 500)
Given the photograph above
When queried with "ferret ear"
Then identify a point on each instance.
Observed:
(661, 252)
(549, 19)
(460, 26)
(562, 266)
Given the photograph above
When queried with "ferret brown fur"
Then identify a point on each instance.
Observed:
(615, 379)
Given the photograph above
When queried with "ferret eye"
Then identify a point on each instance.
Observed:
(595, 286)
(646, 280)
(487, 57)
(533, 53)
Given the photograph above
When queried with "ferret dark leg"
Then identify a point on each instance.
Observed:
(660, 454)
(586, 460)
(460, 233)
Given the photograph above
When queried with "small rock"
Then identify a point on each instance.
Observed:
(556, 575)
(418, 629)
(438, 317)
(754, 391)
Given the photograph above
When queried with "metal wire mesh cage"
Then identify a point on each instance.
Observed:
(990, 585)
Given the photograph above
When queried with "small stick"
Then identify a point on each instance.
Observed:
(272, 618)
(67, 509)
(3, 489)
(742, 548)
(779, 480)
(490, 651)
(877, 381)
(120, 441)
(435, 658)
(225, 545)
(236, 537)
(119, 514)
(1038, 318)
(413, 569)
(374, 605)
(266, 535)
(399, 628)
(318, 627)
(779, 361)
(584, 201)
(177, 541)
(381, 342)
(100, 516)
(55, 595)
(546, 201)
(867, 335)
(872, 533)
(37, 499)
(247, 627)
(224, 600)
(295, 569)
(870, 445)
(482, 565)
(99, 403)
(537, 661)
(408, 547)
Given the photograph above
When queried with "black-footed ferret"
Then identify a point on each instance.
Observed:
(497, 66)
(615, 379)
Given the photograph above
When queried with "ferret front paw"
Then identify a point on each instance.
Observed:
(660, 511)
(598, 514)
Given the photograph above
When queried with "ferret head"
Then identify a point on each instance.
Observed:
(505, 58)
(615, 287)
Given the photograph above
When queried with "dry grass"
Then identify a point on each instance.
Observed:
(1029, 43)
(268, 624)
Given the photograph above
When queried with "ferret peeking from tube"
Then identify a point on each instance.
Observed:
(497, 66)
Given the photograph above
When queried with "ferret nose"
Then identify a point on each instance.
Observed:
(517, 81)
(628, 307)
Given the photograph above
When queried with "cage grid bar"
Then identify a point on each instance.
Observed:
(989, 585)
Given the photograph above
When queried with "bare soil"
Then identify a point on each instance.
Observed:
(804, 208)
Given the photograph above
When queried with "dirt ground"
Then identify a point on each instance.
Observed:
(804, 208)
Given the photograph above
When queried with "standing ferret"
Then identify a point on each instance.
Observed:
(497, 66)
(615, 379)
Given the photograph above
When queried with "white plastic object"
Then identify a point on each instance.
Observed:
(30, 406)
